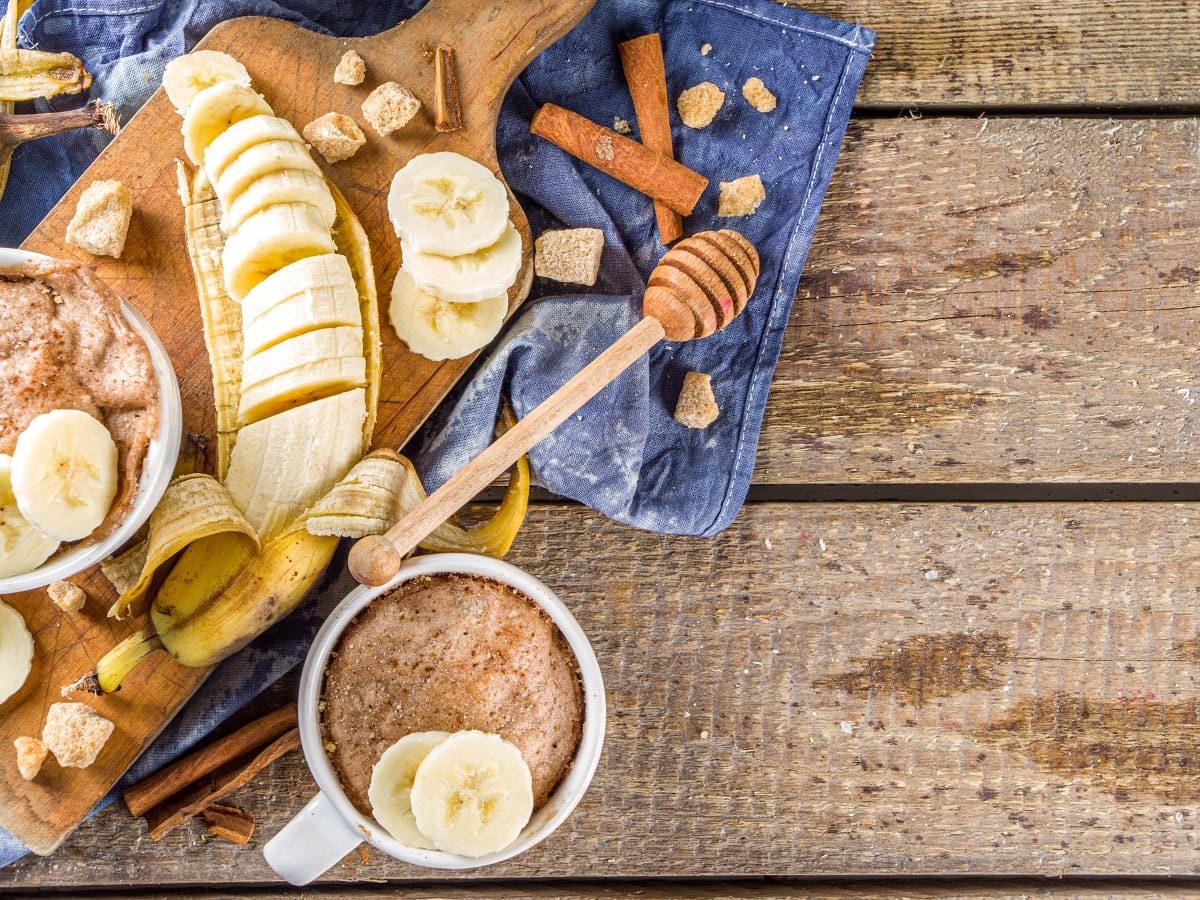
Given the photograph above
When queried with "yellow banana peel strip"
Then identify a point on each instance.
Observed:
(220, 313)
(124, 569)
(34, 74)
(193, 508)
(352, 243)
(263, 591)
(384, 487)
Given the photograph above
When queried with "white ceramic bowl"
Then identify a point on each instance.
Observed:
(156, 471)
(330, 826)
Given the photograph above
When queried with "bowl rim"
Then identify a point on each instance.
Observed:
(591, 742)
(157, 469)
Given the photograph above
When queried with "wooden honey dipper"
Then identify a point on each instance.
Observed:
(697, 289)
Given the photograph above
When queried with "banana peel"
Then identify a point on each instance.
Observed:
(221, 314)
(35, 74)
(194, 508)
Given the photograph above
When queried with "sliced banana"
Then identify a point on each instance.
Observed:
(274, 475)
(16, 651)
(64, 473)
(301, 369)
(188, 75)
(23, 547)
(213, 110)
(471, 277)
(438, 329)
(391, 784)
(284, 186)
(446, 203)
(258, 162)
(241, 136)
(472, 794)
(311, 293)
(270, 240)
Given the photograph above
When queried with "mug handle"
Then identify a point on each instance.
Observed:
(312, 843)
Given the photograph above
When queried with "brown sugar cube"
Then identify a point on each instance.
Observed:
(101, 219)
(75, 733)
(741, 197)
(31, 753)
(66, 596)
(390, 107)
(335, 137)
(758, 95)
(350, 69)
(696, 407)
(699, 105)
(570, 255)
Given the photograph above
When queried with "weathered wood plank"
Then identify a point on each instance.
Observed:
(977, 52)
(1000, 889)
(838, 689)
(997, 300)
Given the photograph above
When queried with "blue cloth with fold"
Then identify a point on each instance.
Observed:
(623, 454)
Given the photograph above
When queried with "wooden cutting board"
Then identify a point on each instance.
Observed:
(494, 40)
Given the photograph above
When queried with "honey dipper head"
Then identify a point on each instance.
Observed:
(702, 284)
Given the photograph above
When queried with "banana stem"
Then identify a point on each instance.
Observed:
(19, 129)
(120, 661)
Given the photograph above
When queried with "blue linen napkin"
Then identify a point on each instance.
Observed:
(623, 455)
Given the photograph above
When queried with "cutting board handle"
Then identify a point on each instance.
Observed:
(493, 40)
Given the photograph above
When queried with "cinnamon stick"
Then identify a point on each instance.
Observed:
(646, 75)
(173, 813)
(617, 156)
(447, 111)
(163, 785)
(230, 823)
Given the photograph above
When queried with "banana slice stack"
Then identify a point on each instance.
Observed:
(288, 301)
(468, 793)
(461, 254)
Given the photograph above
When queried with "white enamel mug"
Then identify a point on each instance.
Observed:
(330, 826)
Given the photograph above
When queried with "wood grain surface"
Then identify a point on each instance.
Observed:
(999, 299)
(746, 889)
(293, 68)
(1091, 53)
(850, 689)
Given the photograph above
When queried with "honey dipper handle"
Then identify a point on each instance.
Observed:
(375, 559)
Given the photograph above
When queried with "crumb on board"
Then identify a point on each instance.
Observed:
(351, 69)
(75, 733)
(697, 406)
(741, 197)
(67, 596)
(31, 753)
(758, 95)
(335, 136)
(705, 49)
(101, 220)
(699, 104)
(390, 107)
(622, 126)
(569, 255)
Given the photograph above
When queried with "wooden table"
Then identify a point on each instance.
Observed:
(956, 630)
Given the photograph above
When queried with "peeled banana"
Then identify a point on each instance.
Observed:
(285, 295)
